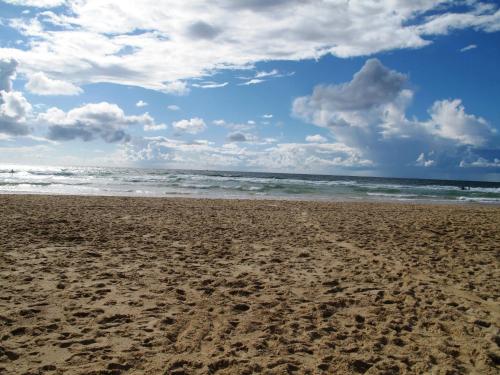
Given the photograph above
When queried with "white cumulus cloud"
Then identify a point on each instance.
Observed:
(14, 111)
(368, 114)
(449, 120)
(14, 108)
(40, 84)
(7, 73)
(154, 127)
(192, 126)
(316, 138)
(92, 121)
(423, 162)
(481, 163)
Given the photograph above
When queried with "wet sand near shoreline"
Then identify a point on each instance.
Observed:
(110, 285)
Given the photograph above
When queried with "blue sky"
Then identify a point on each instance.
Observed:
(386, 88)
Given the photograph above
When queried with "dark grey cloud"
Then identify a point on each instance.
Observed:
(237, 137)
(87, 133)
(110, 72)
(11, 126)
(202, 30)
(372, 86)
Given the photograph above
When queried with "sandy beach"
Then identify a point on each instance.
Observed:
(102, 285)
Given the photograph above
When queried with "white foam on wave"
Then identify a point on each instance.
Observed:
(479, 199)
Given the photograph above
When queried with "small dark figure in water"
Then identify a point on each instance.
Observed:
(11, 171)
(463, 187)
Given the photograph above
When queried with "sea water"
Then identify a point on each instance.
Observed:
(223, 184)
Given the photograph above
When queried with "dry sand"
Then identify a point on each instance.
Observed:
(179, 286)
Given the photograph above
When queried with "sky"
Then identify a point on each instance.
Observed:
(390, 88)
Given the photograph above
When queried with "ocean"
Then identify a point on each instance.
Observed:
(223, 184)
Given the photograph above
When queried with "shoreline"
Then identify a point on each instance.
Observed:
(121, 285)
(430, 202)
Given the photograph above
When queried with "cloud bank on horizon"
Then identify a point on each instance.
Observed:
(57, 55)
